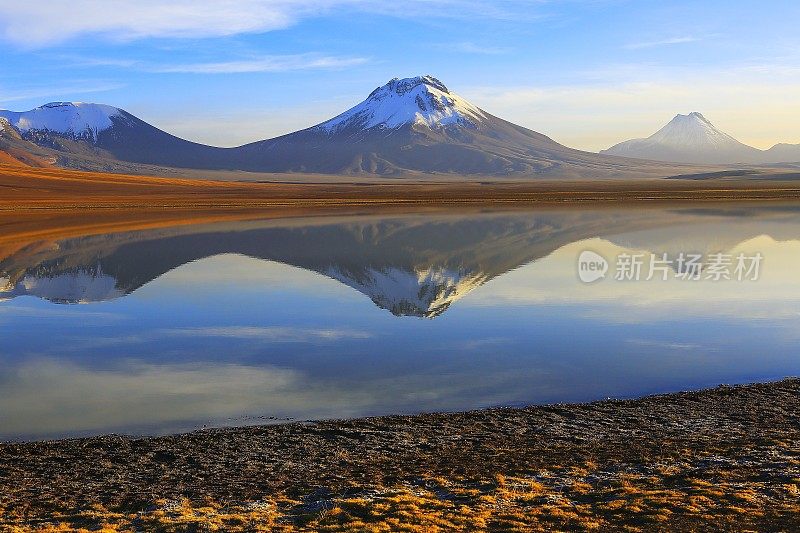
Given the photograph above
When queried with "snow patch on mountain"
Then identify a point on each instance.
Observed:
(422, 100)
(424, 292)
(64, 118)
(73, 287)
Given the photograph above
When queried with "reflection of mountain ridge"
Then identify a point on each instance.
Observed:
(408, 265)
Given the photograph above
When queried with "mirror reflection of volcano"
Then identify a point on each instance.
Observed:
(230, 323)
(408, 265)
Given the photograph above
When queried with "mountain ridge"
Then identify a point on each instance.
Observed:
(411, 126)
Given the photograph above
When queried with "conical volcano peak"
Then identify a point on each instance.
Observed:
(422, 100)
(692, 130)
(690, 138)
(401, 86)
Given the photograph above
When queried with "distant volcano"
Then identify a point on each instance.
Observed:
(693, 138)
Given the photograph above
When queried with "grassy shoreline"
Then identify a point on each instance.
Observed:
(724, 458)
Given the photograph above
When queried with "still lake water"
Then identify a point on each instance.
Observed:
(172, 329)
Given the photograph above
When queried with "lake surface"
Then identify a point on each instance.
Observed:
(252, 322)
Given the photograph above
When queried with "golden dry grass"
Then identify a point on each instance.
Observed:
(581, 499)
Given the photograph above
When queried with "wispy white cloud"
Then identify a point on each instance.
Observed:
(32, 24)
(272, 63)
(482, 10)
(70, 61)
(251, 63)
(663, 42)
(468, 47)
(38, 24)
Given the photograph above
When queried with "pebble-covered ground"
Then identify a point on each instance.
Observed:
(727, 458)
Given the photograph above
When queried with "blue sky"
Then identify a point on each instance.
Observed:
(588, 73)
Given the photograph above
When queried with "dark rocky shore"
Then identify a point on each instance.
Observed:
(725, 458)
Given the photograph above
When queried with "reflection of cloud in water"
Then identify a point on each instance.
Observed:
(273, 334)
(683, 346)
(42, 311)
(553, 281)
(47, 396)
(266, 334)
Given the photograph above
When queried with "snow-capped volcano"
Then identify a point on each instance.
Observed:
(73, 119)
(688, 138)
(421, 100)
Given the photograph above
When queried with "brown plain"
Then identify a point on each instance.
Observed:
(28, 188)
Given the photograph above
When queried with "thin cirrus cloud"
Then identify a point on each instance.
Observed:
(38, 24)
(272, 63)
(42, 24)
(663, 42)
